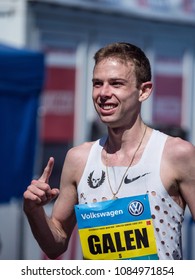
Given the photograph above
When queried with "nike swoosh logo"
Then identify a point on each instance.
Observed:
(128, 181)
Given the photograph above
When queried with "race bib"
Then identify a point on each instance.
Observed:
(117, 229)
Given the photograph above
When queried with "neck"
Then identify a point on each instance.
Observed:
(124, 138)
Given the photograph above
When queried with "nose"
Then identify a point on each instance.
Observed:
(105, 91)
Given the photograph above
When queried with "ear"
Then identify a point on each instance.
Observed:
(145, 91)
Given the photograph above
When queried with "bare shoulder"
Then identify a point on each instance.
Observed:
(79, 154)
(75, 161)
(179, 149)
(178, 158)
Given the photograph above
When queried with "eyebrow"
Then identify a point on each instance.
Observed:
(110, 80)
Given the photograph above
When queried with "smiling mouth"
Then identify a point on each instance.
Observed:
(107, 106)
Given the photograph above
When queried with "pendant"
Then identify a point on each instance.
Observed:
(114, 197)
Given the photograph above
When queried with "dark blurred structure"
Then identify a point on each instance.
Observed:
(58, 151)
(174, 131)
(21, 79)
(98, 129)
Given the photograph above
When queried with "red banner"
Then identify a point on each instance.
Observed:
(58, 104)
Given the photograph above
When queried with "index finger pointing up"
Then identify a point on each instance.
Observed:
(47, 171)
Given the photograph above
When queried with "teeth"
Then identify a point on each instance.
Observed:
(107, 107)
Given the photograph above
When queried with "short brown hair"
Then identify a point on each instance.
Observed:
(127, 52)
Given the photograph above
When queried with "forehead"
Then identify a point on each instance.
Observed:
(113, 66)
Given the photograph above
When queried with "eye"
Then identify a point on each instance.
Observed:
(116, 84)
(97, 84)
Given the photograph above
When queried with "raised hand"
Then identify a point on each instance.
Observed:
(39, 192)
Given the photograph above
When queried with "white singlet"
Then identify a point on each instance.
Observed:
(142, 178)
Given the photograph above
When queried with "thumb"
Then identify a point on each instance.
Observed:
(47, 171)
(53, 193)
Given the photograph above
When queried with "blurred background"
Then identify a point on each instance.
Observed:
(46, 62)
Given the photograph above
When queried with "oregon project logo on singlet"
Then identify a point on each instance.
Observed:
(94, 182)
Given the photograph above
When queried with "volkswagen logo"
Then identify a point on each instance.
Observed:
(136, 208)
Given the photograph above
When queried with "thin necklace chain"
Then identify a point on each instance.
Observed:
(130, 163)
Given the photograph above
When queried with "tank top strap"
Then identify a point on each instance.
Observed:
(154, 149)
(96, 151)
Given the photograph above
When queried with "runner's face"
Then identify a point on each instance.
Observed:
(115, 95)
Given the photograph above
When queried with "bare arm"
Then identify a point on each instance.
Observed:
(186, 166)
(53, 233)
(178, 169)
(36, 196)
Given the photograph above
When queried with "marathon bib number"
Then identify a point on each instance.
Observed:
(117, 229)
